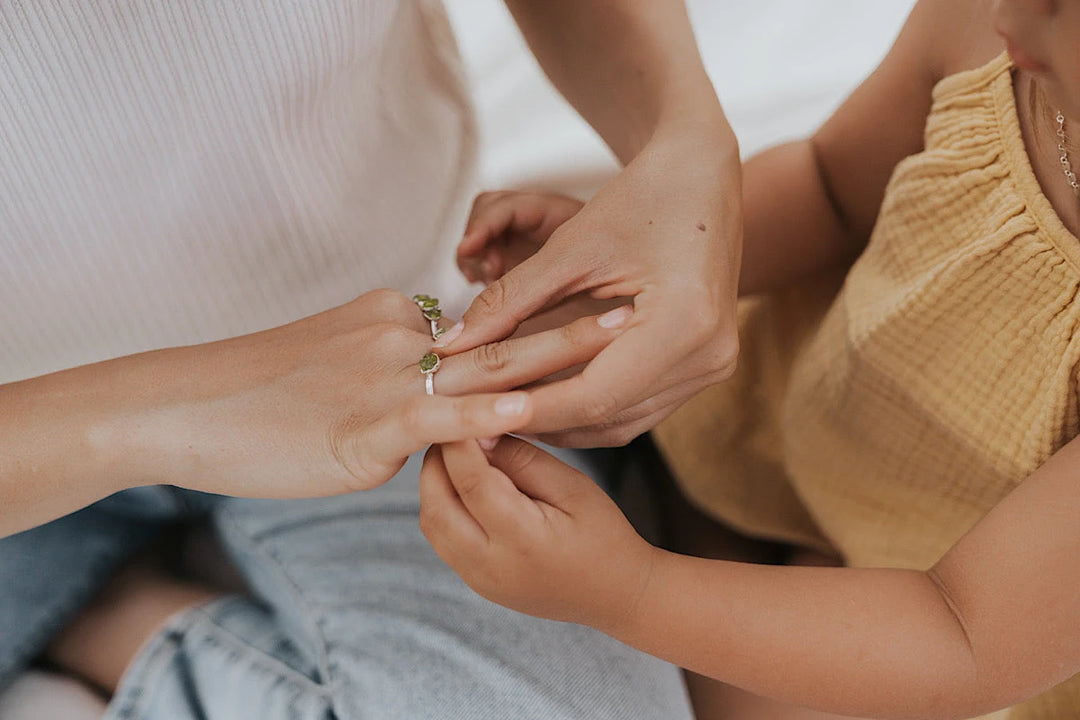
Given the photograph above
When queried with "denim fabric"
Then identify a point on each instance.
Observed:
(49, 572)
(351, 615)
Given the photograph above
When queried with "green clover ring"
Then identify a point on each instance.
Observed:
(428, 365)
(430, 307)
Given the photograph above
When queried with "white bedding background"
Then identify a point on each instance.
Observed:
(780, 66)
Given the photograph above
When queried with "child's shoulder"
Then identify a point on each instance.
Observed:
(957, 35)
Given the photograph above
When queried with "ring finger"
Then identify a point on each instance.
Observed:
(509, 364)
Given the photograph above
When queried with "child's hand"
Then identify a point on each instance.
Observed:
(506, 228)
(531, 533)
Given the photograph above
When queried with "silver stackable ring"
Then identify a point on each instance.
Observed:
(430, 307)
(429, 365)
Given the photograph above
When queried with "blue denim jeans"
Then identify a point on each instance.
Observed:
(350, 615)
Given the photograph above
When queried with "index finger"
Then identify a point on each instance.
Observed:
(621, 375)
(444, 520)
(545, 278)
(486, 492)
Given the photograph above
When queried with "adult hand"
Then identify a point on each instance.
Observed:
(332, 403)
(527, 531)
(667, 232)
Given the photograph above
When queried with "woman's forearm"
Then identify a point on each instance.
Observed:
(630, 68)
(58, 437)
(326, 405)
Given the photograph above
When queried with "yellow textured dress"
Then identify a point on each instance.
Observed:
(882, 423)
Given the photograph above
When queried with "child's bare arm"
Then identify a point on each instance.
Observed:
(992, 624)
(811, 204)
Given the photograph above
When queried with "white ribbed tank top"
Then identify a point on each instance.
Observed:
(180, 171)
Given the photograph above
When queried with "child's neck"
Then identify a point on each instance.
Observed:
(1041, 142)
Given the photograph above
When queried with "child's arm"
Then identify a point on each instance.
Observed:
(811, 204)
(993, 623)
(807, 205)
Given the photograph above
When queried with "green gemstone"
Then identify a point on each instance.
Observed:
(433, 314)
(420, 298)
(429, 362)
(429, 304)
(438, 333)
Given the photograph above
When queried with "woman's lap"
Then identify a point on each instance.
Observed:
(356, 617)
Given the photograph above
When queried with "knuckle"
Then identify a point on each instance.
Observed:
(482, 203)
(705, 319)
(493, 299)
(579, 333)
(394, 337)
(620, 436)
(615, 432)
(701, 323)
(520, 456)
(725, 359)
(469, 484)
(601, 408)
(493, 357)
(487, 197)
(387, 303)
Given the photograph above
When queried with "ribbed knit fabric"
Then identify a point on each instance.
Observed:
(944, 373)
(179, 171)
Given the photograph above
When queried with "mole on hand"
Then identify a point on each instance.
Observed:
(701, 227)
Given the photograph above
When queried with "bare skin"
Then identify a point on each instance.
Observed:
(105, 637)
(846, 642)
(632, 70)
(203, 417)
(101, 642)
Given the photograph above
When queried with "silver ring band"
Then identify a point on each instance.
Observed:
(429, 365)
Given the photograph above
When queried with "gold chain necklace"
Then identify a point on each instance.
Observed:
(1066, 165)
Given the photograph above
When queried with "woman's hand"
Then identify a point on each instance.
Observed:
(328, 404)
(531, 533)
(336, 402)
(667, 232)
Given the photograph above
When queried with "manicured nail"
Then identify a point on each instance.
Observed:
(488, 444)
(450, 335)
(510, 405)
(615, 318)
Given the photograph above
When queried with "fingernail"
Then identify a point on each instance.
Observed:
(488, 444)
(450, 335)
(510, 405)
(615, 318)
